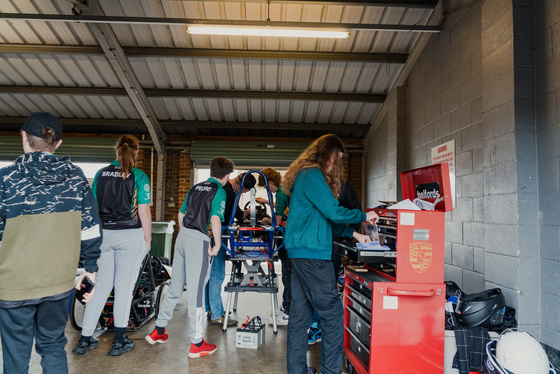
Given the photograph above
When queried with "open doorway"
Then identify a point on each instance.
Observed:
(203, 173)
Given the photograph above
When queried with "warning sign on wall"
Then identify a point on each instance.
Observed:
(446, 153)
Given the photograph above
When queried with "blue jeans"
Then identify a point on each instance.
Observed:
(213, 292)
(45, 322)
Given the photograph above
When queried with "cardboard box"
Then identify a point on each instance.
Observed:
(250, 337)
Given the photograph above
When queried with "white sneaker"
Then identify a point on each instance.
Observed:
(282, 319)
(279, 310)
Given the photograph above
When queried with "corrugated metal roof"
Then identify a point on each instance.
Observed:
(28, 66)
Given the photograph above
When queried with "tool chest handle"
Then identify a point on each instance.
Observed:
(395, 292)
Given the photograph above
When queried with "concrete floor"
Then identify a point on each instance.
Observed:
(171, 357)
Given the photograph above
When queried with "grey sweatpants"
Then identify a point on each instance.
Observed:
(122, 252)
(191, 267)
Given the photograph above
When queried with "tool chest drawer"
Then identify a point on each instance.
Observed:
(359, 308)
(365, 300)
(359, 326)
(360, 351)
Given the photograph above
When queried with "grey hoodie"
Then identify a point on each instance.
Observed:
(48, 218)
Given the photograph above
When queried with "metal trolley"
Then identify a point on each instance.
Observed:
(252, 251)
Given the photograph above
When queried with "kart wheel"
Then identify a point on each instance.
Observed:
(77, 310)
(161, 295)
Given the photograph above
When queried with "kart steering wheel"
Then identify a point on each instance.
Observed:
(260, 210)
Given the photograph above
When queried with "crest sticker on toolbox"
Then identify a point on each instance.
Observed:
(420, 256)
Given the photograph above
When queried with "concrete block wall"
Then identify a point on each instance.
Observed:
(444, 103)
(386, 152)
(377, 173)
(510, 157)
(547, 114)
(490, 81)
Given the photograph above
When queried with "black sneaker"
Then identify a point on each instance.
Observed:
(118, 349)
(83, 346)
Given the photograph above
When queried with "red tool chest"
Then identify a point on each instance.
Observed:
(394, 307)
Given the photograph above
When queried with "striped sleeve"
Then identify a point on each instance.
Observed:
(91, 234)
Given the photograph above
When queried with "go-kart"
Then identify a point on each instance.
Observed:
(149, 292)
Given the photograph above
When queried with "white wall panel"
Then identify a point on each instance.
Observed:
(239, 74)
(320, 73)
(270, 110)
(12, 105)
(206, 71)
(272, 75)
(128, 108)
(223, 74)
(214, 109)
(87, 107)
(334, 77)
(159, 72)
(255, 110)
(255, 75)
(185, 108)
(296, 112)
(20, 70)
(228, 107)
(161, 107)
(40, 69)
(286, 76)
(284, 109)
(242, 108)
(190, 71)
(325, 111)
(312, 112)
(199, 108)
(303, 75)
(337, 113)
(352, 112)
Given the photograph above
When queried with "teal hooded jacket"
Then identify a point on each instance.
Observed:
(315, 216)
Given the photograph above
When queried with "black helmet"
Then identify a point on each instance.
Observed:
(484, 309)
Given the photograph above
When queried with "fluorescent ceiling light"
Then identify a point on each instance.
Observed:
(266, 31)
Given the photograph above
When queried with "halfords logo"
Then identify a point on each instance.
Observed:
(420, 256)
(425, 194)
(427, 191)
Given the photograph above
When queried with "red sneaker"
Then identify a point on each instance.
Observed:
(154, 337)
(204, 350)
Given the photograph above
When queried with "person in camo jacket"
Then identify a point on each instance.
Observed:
(48, 219)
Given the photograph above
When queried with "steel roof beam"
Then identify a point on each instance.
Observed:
(138, 123)
(252, 95)
(113, 51)
(422, 4)
(390, 58)
(102, 19)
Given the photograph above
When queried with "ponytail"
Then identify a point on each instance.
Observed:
(127, 145)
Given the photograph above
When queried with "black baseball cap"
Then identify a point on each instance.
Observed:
(36, 122)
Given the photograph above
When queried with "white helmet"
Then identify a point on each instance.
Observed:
(516, 353)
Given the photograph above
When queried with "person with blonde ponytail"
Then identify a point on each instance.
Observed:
(123, 195)
(313, 182)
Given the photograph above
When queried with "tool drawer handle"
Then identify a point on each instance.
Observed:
(393, 292)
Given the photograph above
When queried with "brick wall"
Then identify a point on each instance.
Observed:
(354, 173)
